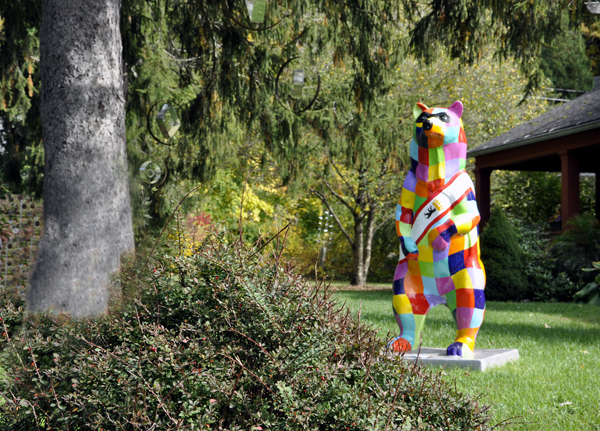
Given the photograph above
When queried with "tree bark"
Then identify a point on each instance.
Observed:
(359, 275)
(369, 239)
(363, 244)
(87, 211)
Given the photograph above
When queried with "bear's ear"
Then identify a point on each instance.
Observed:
(457, 108)
(418, 108)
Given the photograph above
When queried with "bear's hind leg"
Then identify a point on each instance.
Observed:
(468, 315)
(409, 310)
(410, 324)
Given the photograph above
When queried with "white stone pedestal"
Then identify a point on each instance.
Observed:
(482, 360)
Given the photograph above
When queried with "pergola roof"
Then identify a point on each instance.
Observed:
(576, 116)
(565, 139)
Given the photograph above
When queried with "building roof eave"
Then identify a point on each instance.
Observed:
(537, 138)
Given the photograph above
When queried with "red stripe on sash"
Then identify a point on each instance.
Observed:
(456, 202)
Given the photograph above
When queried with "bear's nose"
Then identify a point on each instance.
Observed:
(427, 124)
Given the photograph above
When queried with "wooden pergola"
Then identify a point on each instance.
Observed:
(565, 139)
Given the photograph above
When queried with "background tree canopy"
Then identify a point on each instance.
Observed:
(565, 63)
(373, 60)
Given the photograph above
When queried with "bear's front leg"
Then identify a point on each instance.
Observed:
(439, 237)
(440, 243)
(409, 248)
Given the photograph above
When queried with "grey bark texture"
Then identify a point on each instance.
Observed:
(87, 211)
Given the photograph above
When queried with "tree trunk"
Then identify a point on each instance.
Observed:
(87, 212)
(359, 275)
(361, 251)
(369, 241)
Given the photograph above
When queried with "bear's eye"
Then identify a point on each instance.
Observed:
(445, 118)
(421, 118)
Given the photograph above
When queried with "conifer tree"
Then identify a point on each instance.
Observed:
(565, 63)
(20, 127)
(519, 29)
(503, 259)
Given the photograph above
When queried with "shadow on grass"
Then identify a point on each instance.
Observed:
(580, 312)
(537, 332)
(567, 322)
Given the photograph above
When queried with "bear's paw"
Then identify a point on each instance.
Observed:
(400, 345)
(459, 349)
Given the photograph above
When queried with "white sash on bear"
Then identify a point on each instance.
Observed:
(437, 208)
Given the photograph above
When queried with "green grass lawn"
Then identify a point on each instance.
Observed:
(555, 385)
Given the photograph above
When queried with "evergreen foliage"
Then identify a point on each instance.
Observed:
(548, 282)
(591, 34)
(566, 64)
(531, 201)
(503, 260)
(591, 292)
(21, 158)
(578, 246)
(530, 197)
(226, 337)
(222, 69)
(464, 27)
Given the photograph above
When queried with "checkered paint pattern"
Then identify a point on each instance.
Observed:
(444, 267)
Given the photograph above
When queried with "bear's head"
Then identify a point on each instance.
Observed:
(439, 146)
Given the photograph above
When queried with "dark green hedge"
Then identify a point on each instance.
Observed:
(503, 260)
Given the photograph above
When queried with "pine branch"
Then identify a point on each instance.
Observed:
(182, 60)
(384, 166)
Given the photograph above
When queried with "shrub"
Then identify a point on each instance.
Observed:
(503, 260)
(579, 245)
(531, 197)
(225, 338)
(591, 292)
(546, 282)
(12, 305)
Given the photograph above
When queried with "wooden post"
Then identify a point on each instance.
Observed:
(482, 193)
(569, 186)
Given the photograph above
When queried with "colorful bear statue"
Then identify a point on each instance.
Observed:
(437, 224)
